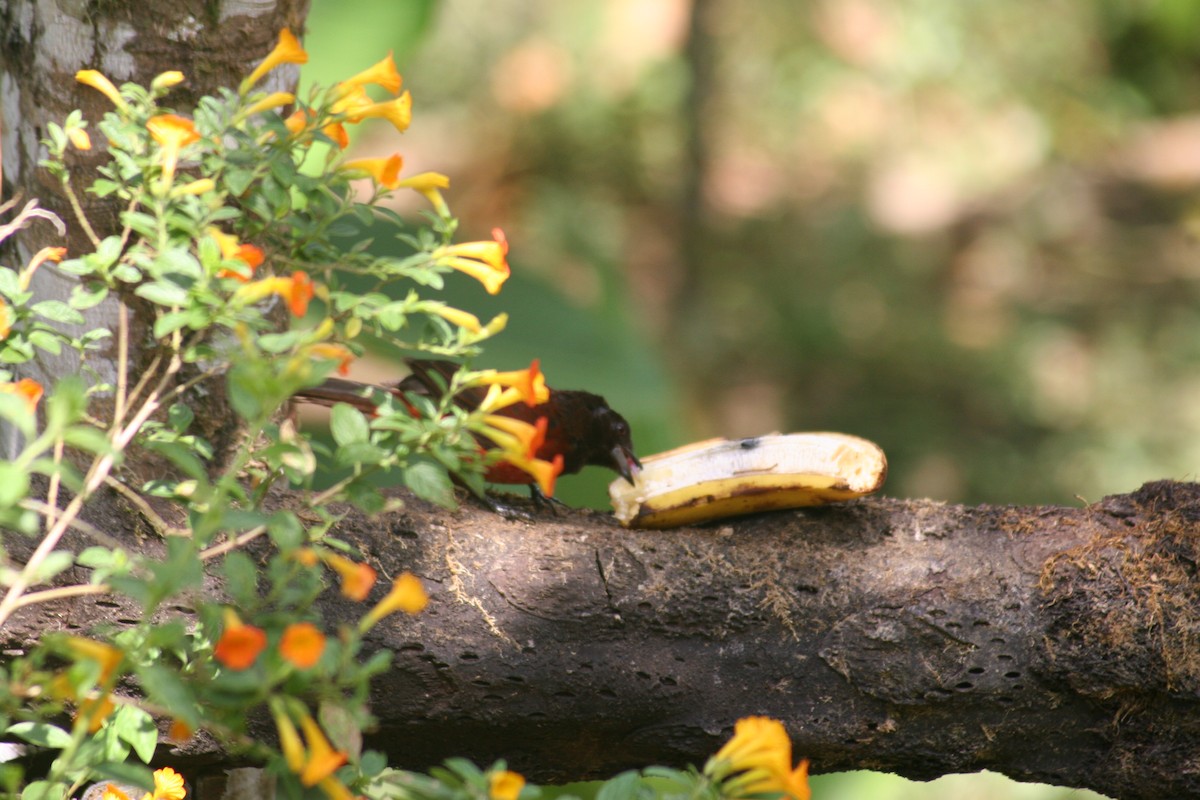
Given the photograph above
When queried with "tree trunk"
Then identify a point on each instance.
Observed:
(1049, 644)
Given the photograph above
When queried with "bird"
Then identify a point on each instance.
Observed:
(580, 426)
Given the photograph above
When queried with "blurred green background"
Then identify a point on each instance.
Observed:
(961, 229)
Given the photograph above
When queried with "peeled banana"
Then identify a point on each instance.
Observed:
(724, 478)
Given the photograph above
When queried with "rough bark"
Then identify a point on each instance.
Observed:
(1049, 644)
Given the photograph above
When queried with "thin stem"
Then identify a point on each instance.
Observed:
(232, 544)
(61, 592)
(79, 215)
(160, 525)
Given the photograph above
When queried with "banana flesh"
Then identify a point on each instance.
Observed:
(723, 478)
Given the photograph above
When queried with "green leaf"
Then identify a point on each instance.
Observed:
(241, 578)
(57, 311)
(135, 727)
(55, 562)
(626, 786)
(179, 417)
(43, 734)
(164, 688)
(46, 340)
(285, 530)
(14, 484)
(44, 790)
(430, 482)
(108, 252)
(126, 772)
(87, 438)
(164, 293)
(348, 425)
(88, 295)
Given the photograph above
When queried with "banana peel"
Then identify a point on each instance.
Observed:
(723, 478)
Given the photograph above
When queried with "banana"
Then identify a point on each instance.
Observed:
(723, 478)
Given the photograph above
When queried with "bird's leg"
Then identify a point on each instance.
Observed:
(543, 500)
(502, 509)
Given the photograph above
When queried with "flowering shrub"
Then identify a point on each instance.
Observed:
(229, 245)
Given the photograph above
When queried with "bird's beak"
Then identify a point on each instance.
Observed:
(625, 462)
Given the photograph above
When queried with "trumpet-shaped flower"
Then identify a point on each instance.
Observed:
(165, 80)
(97, 81)
(6, 320)
(385, 171)
(79, 138)
(240, 644)
(302, 644)
(322, 760)
(173, 133)
(383, 73)
(108, 657)
(429, 185)
(335, 789)
(273, 100)
(515, 436)
(55, 254)
(333, 352)
(407, 595)
(398, 111)
(529, 385)
(485, 261)
(113, 792)
(287, 51)
(505, 785)
(759, 759)
(93, 712)
(296, 290)
(456, 316)
(544, 473)
(357, 578)
(289, 739)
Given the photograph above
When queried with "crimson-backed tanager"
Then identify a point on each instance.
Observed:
(580, 425)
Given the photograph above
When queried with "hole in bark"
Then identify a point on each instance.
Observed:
(939, 693)
(1013, 674)
(609, 693)
(564, 693)
(964, 685)
(1004, 657)
(126, 621)
(514, 679)
(404, 533)
(412, 647)
(976, 670)
(586, 665)
(1013, 607)
(752, 664)
(536, 715)
(709, 598)
(1017, 687)
(644, 606)
(996, 640)
(936, 612)
(953, 625)
(492, 697)
(981, 623)
(668, 681)
(805, 588)
(656, 566)
(480, 682)
(872, 726)
(105, 603)
(1004, 699)
(468, 657)
(643, 675)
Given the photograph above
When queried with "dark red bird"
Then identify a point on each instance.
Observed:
(580, 425)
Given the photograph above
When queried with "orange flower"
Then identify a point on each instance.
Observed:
(456, 316)
(240, 644)
(335, 789)
(333, 352)
(108, 657)
(173, 133)
(97, 81)
(179, 731)
(296, 290)
(232, 249)
(484, 261)
(505, 785)
(385, 171)
(29, 389)
(273, 100)
(287, 51)
(302, 644)
(357, 578)
(407, 595)
(545, 473)
(515, 436)
(383, 73)
(55, 254)
(92, 713)
(111, 792)
(529, 385)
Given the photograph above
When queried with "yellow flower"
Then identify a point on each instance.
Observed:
(168, 785)
(515, 436)
(455, 316)
(407, 595)
(333, 352)
(233, 250)
(289, 739)
(92, 713)
(398, 112)
(486, 262)
(107, 656)
(759, 756)
(385, 171)
(429, 185)
(97, 81)
(197, 187)
(384, 74)
(322, 760)
(335, 789)
(544, 473)
(273, 100)
(297, 290)
(79, 137)
(111, 792)
(505, 785)
(173, 133)
(166, 80)
(287, 51)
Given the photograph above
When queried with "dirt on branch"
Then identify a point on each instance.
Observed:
(1049, 644)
